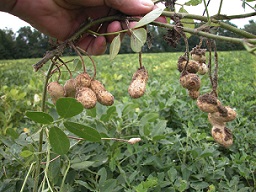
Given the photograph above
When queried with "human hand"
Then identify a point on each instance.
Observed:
(61, 18)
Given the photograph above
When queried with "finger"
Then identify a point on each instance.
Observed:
(113, 27)
(131, 7)
(93, 45)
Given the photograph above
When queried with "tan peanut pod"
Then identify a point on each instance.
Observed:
(203, 69)
(82, 80)
(198, 54)
(194, 94)
(97, 86)
(198, 58)
(86, 97)
(222, 135)
(105, 98)
(69, 88)
(190, 81)
(137, 87)
(55, 90)
(228, 115)
(208, 103)
(192, 66)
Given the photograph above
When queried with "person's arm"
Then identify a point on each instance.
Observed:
(7, 5)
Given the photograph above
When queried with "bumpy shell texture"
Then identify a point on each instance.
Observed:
(222, 135)
(137, 87)
(192, 66)
(105, 98)
(198, 54)
(82, 80)
(208, 103)
(194, 94)
(86, 97)
(219, 117)
(190, 81)
(97, 86)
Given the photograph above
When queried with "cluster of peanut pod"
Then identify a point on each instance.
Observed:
(190, 69)
(86, 90)
(89, 91)
(218, 115)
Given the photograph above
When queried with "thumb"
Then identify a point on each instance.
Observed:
(131, 7)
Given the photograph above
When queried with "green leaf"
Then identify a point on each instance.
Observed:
(39, 117)
(159, 128)
(26, 153)
(199, 185)
(172, 174)
(84, 184)
(68, 107)
(193, 2)
(83, 131)
(103, 175)
(138, 39)
(12, 133)
(82, 165)
(109, 185)
(115, 46)
(110, 112)
(148, 18)
(149, 117)
(59, 141)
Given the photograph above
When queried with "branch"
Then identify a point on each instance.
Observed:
(208, 35)
(215, 19)
(250, 38)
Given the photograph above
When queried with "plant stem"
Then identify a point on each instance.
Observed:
(208, 35)
(41, 134)
(65, 174)
(250, 38)
(220, 7)
(215, 19)
(26, 178)
(207, 13)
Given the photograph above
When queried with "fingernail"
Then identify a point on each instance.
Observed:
(147, 3)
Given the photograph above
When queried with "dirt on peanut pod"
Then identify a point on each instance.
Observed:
(82, 80)
(222, 135)
(219, 117)
(86, 97)
(137, 86)
(190, 81)
(208, 103)
(192, 66)
(103, 96)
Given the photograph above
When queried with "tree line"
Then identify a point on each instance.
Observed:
(30, 43)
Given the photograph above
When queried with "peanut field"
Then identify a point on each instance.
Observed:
(177, 151)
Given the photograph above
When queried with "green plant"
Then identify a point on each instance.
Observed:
(66, 139)
(176, 148)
